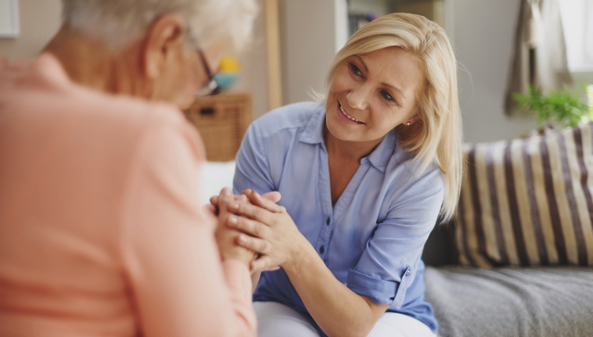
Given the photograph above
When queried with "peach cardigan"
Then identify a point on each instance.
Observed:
(101, 229)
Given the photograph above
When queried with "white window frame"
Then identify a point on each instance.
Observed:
(9, 19)
(577, 21)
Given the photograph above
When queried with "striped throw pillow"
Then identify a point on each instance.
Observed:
(528, 201)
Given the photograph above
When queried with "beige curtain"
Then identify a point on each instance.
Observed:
(540, 50)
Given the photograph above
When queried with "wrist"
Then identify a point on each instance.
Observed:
(300, 256)
(238, 254)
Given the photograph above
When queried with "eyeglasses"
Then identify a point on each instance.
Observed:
(212, 88)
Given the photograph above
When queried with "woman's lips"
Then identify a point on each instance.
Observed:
(346, 117)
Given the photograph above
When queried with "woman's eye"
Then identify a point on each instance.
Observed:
(354, 69)
(387, 96)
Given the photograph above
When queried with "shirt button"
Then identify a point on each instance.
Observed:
(322, 249)
(328, 221)
(408, 272)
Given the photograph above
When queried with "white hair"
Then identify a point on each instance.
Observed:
(118, 23)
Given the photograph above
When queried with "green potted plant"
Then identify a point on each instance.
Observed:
(561, 107)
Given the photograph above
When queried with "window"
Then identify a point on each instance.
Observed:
(9, 18)
(577, 21)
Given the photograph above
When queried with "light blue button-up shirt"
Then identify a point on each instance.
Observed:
(372, 238)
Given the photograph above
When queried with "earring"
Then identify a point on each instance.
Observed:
(408, 123)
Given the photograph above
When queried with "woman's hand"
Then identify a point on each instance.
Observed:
(270, 233)
(267, 201)
(260, 262)
(226, 237)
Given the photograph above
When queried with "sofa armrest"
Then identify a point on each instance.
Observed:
(440, 246)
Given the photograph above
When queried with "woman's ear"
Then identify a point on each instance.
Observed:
(165, 38)
(411, 120)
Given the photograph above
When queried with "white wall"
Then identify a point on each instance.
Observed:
(39, 21)
(483, 37)
(253, 61)
(482, 32)
(378, 7)
(308, 46)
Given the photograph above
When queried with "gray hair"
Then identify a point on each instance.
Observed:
(118, 23)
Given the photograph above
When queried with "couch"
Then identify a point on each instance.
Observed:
(506, 301)
(517, 258)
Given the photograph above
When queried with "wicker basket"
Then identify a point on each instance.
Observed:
(222, 121)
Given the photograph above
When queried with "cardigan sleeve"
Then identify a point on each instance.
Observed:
(178, 283)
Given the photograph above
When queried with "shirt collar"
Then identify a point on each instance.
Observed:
(379, 158)
(381, 154)
(313, 133)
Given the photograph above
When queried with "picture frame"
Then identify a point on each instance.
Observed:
(9, 19)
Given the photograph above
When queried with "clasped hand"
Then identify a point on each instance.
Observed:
(266, 229)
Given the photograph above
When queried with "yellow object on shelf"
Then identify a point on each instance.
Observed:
(229, 65)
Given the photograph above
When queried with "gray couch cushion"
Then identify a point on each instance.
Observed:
(515, 302)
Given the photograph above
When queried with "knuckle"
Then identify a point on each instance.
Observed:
(257, 213)
(238, 224)
(265, 261)
(224, 200)
(253, 229)
(266, 247)
(258, 229)
(259, 264)
(246, 240)
(262, 230)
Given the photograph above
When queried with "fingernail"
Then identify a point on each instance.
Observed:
(242, 238)
(234, 206)
(226, 191)
(233, 220)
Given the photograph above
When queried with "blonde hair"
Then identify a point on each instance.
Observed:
(117, 23)
(437, 135)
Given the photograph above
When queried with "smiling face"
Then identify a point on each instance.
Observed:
(371, 94)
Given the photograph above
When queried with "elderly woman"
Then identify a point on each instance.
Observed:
(364, 177)
(101, 231)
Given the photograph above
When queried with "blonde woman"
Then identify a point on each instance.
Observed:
(363, 177)
(102, 232)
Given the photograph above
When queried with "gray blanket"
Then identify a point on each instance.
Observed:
(514, 302)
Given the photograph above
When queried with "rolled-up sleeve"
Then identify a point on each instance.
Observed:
(388, 264)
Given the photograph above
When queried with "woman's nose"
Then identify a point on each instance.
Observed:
(358, 98)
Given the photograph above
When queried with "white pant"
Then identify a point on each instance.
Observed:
(277, 320)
